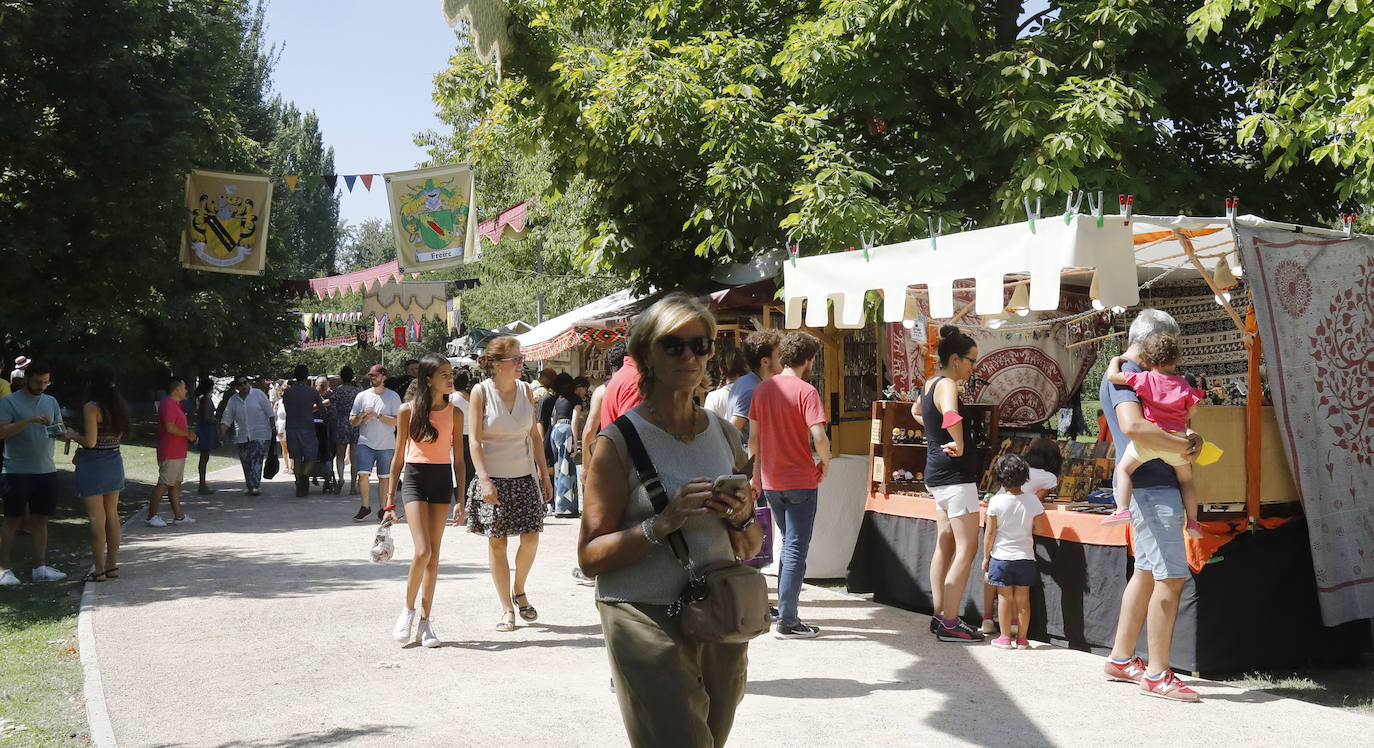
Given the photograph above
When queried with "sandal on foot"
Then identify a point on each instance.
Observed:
(112, 572)
(527, 611)
(94, 576)
(507, 621)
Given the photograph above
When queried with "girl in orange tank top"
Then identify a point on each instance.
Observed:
(427, 433)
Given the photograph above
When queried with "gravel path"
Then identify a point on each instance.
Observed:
(264, 624)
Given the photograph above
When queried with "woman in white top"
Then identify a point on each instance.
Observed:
(461, 399)
(732, 366)
(279, 412)
(504, 498)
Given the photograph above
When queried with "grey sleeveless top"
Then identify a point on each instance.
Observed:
(658, 578)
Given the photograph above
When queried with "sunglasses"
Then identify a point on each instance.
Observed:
(673, 345)
(517, 359)
(970, 360)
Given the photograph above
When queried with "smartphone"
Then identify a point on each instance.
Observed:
(731, 484)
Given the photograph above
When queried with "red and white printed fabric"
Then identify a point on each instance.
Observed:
(1029, 374)
(1314, 302)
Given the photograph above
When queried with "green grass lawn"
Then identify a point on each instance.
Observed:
(40, 670)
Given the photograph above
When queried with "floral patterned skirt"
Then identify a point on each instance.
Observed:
(520, 511)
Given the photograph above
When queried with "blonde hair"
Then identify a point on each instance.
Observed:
(671, 312)
(497, 349)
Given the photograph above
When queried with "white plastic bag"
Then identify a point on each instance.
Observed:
(382, 545)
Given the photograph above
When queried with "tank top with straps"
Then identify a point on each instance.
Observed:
(439, 451)
(941, 469)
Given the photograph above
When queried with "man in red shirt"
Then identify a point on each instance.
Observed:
(785, 417)
(622, 393)
(172, 436)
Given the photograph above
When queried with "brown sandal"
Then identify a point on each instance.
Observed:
(527, 611)
(112, 572)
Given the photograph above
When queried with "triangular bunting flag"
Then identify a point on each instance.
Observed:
(349, 179)
(367, 181)
(331, 180)
(291, 180)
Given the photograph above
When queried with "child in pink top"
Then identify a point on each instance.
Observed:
(1167, 401)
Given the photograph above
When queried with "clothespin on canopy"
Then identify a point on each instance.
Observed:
(867, 240)
(1232, 206)
(1096, 207)
(792, 251)
(1030, 217)
(1071, 206)
(1348, 222)
(934, 232)
(1127, 207)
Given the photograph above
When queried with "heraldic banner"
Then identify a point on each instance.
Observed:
(433, 216)
(1314, 305)
(226, 222)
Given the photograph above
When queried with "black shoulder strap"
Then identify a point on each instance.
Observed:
(648, 475)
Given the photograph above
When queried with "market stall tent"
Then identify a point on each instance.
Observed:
(554, 336)
(1312, 293)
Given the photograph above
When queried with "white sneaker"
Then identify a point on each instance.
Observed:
(186, 519)
(7, 578)
(47, 574)
(154, 521)
(426, 633)
(401, 631)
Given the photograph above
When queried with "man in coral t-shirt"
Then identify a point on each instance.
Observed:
(785, 417)
(172, 437)
(622, 393)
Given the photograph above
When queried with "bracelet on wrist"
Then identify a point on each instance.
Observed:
(742, 526)
(389, 508)
(647, 527)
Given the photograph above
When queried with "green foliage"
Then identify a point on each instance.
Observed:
(366, 245)
(107, 109)
(1315, 99)
(708, 132)
(304, 234)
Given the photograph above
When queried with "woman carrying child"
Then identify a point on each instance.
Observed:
(1009, 548)
(1167, 401)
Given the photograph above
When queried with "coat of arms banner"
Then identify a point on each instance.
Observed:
(433, 216)
(226, 223)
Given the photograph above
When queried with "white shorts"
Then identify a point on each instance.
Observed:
(1143, 455)
(956, 500)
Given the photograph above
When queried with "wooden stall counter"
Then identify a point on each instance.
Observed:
(1079, 527)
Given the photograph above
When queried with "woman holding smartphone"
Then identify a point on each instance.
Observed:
(672, 690)
(428, 432)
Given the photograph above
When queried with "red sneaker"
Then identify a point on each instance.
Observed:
(1168, 687)
(1022, 643)
(1130, 672)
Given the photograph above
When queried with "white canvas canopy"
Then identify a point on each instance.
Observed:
(1123, 254)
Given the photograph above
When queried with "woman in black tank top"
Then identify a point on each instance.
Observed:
(950, 466)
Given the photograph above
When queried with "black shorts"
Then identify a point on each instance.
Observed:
(427, 482)
(36, 492)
